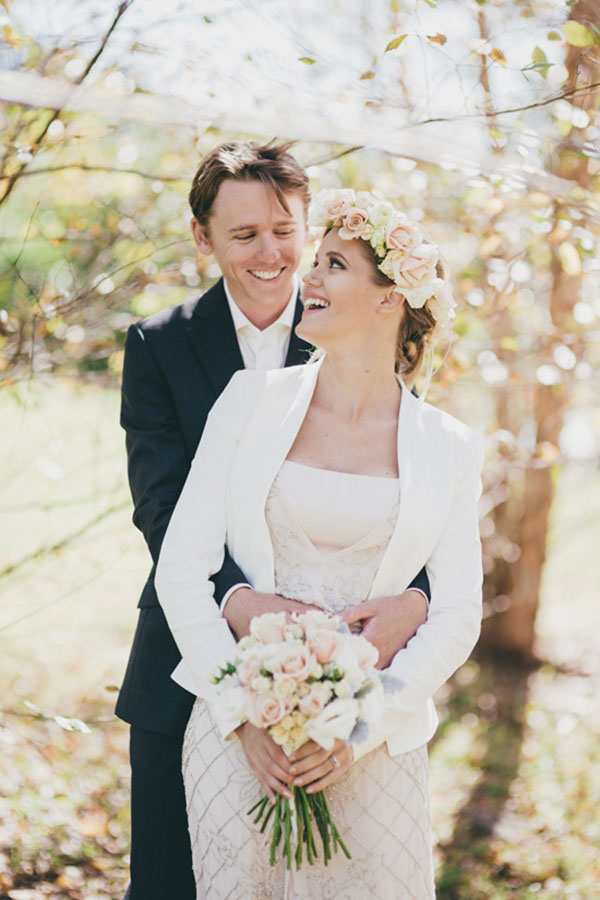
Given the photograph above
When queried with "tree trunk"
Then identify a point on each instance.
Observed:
(525, 520)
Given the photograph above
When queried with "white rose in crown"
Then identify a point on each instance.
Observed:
(381, 213)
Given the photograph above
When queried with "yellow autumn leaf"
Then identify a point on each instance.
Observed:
(438, 38)
(12, 37)
(367, 75)
(395, 42)
(498, 56)
(578, 35)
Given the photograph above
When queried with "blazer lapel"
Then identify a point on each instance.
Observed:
(298, 350)
(401, 560)
(213, 338)
(280, 417)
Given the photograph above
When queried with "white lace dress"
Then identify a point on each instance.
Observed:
(329, 532)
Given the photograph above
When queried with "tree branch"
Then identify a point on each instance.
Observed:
(123, 7)
(85, 168)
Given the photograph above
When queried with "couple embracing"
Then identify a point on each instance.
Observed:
(271, 477)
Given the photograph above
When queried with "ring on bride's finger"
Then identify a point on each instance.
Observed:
(335, 761)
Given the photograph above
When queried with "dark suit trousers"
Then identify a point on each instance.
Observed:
(161, 858)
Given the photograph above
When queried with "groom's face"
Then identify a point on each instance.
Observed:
(257, 244)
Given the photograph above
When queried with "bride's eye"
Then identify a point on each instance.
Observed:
(333, 261)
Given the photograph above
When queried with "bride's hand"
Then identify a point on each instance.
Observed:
(267, 760)
(316, 767)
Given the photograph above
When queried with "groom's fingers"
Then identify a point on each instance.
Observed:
(352, 614)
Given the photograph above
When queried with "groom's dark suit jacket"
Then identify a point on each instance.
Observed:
(177, 362)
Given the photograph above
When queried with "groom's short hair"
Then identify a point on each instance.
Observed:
(272, 164)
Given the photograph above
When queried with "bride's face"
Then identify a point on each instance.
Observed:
(341, 297)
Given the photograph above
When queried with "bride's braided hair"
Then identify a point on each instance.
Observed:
(416, 325)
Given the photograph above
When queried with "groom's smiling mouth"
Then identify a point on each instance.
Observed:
(266, 274)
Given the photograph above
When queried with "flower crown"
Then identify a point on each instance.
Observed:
(406, 256)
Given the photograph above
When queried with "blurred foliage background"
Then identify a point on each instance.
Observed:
(482, 119)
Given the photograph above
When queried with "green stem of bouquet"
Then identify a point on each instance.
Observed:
(303, 806)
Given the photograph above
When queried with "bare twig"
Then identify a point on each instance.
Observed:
(37, 141)
(86, 168)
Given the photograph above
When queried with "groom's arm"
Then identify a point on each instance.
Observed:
(157, 458)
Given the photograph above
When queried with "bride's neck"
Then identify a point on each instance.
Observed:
(358, 387)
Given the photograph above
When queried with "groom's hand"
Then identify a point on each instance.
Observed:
(244, 604)
(389, 622)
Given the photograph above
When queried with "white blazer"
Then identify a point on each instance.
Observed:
(248, 434)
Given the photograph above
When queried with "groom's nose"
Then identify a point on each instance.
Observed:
(268, 251)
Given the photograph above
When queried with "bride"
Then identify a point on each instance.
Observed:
(332, 484)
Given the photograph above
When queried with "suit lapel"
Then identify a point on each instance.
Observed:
(213, 338)
(298, 350)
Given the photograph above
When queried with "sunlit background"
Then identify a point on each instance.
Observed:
(482, 119)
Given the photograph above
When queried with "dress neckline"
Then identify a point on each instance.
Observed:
(291, 462)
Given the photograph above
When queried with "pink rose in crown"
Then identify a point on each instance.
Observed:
(268, 709)
(354, 224)
(268, 628)
(402, 235)
(295, 661)
(332, 206)
(418, 268)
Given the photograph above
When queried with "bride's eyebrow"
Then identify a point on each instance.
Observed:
(334, 254)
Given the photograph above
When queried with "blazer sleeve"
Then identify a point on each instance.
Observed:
(445, 641)
(194, 544)
(157, 457)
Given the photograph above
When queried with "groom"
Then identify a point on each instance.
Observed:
(249, 207)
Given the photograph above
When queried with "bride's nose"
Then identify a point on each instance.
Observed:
(312, 276)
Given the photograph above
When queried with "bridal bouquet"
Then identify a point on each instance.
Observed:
(308, 679)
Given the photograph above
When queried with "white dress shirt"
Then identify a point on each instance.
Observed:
(266, 349)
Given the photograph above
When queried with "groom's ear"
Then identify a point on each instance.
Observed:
(200, 235)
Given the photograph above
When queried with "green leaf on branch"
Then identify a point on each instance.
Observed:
(553, 36)
(307, 59)
(395, 42)
(578, 35)
(431, 3)
(538, 56)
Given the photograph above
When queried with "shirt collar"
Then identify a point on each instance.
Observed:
(286, 318)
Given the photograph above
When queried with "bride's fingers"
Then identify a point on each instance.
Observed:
(309, 762)
(333, 772)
